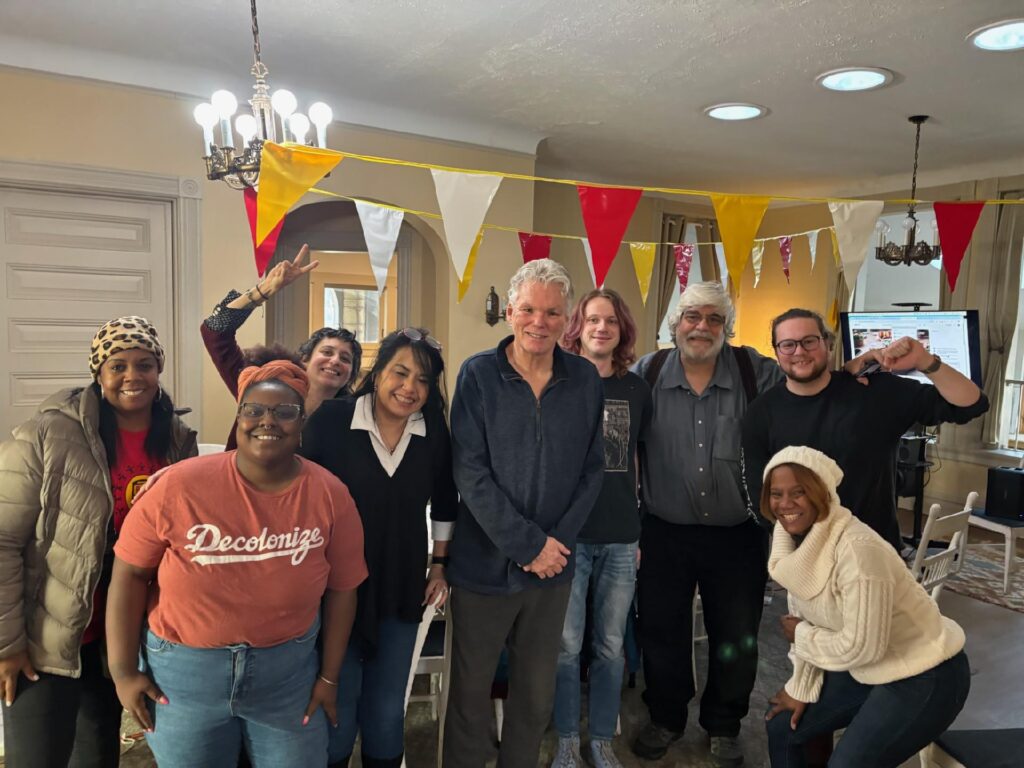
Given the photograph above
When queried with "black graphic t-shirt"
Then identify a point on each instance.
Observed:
(616, 515)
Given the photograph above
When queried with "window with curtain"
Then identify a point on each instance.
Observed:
(1011, 421)
(691, 236)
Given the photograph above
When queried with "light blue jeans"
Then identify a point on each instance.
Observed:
(371, 695)
(219, 698)
(608, 573)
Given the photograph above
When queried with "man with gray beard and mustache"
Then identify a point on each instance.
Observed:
(698, 531)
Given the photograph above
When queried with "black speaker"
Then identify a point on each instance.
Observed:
(1004, 496)
(910, 466)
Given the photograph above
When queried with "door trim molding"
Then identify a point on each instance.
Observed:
(185, 197)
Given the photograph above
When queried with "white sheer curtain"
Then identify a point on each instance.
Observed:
(1001, 311)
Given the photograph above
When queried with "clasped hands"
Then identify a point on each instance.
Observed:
(782, 701)
(551, 561)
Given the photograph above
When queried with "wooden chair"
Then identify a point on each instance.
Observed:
(933, 568)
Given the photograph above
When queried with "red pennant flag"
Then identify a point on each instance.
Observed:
(534, 246)
(956, 225)
(786, 252)
(606, 214)
(263, 252)
(684, 258)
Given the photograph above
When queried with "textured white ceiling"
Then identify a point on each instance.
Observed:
(607, 90)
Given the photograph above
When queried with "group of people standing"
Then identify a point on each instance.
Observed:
(262, 604)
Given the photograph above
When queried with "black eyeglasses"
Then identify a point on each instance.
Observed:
(788, 346)
(284, 413)
(417, 335)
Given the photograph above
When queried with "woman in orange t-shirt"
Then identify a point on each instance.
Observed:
(241, 546)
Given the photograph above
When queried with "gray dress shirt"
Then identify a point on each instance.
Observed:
(690, 473)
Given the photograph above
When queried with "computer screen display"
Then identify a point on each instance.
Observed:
(953, 335)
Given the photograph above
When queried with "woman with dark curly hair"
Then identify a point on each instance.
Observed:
(390, 445)
(330, 356)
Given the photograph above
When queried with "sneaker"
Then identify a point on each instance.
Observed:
(726, 751)
(653, 741)
(602, 755)
(568, 755)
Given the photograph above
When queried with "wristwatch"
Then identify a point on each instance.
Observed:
(933, 367)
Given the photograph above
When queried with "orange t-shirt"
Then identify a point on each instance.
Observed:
(236, 565)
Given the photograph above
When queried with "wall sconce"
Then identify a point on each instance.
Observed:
(492, 308)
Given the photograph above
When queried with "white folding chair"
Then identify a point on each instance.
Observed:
(205, 449)
(426, 661)
(698, 632)
(933, 569)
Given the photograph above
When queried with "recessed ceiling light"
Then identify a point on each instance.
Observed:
(735, 111)
(854, 78)
(1001, 36)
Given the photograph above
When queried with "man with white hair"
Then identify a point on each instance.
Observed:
(529, 463)
(698, 531)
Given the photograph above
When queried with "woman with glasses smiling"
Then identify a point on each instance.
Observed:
(243, 545)
(331, 357)
(391, 446)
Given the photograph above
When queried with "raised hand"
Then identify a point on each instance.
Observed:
(287, 272)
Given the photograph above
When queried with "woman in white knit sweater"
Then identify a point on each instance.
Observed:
(870, 650)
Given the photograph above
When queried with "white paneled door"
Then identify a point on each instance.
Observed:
(67, 264)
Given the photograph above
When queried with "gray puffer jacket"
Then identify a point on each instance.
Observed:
(55, 510)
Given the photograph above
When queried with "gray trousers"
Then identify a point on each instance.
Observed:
(531, 622)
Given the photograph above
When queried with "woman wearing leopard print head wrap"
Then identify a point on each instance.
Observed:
(67, 480)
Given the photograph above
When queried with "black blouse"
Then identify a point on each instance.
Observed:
(392, 508)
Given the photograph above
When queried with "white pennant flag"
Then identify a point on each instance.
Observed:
(756, 258)
(380, 231)
(464, 199)
(723, 269)
(855, 224)
(812, 244)
(589, 256)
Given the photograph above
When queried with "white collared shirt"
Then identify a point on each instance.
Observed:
(362, 418)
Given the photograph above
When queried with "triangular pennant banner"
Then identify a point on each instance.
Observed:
(606, 214)
(643, 265)
(467, 277)
(589, 256)
(812, 245)
(956, 225)
(464, 199)
(263, 252)
(739, 217)
(835, 247)
(534, 246)
(684, 258)
(786, 254)
(757, 259)
(855, 224)
(723, 272)
(380, 231)
(287, 172)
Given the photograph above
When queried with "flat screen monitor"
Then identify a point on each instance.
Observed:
(952, 335)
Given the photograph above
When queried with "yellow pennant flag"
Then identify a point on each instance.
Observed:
(835, 247)
(833, 315)
(467, 276)
(287, 171)
(739, 217)
(643, 265)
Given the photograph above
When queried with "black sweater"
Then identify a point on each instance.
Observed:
(391, 508)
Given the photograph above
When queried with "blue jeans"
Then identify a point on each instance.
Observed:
(220, 697)
(371, 695)
(608, 572)
(885, 724)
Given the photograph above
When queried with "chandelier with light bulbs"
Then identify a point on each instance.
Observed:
(910, 252)
(240, 166)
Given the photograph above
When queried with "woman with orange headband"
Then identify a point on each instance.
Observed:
(242, 546)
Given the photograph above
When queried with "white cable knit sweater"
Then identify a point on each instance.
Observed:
(862, 611)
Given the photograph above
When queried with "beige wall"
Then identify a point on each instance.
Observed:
(65, 121)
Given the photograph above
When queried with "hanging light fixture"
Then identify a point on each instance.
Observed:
(239, 167)
(910, 252)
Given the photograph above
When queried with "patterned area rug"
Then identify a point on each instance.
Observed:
(982, 577)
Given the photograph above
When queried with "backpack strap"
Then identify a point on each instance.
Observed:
(747, 375)
(657, 363)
